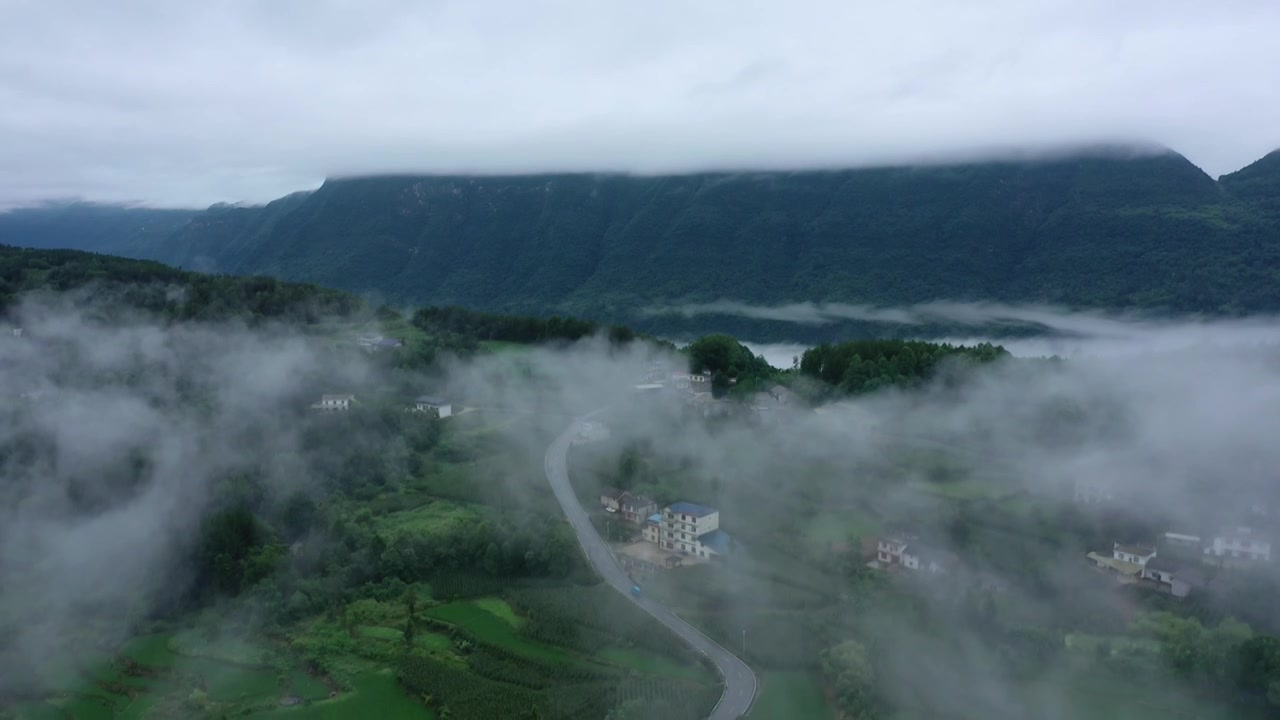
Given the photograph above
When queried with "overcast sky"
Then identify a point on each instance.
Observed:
(181, 103)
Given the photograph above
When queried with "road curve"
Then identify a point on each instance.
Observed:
(739, 681)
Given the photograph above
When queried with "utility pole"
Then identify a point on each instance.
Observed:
(744, 641)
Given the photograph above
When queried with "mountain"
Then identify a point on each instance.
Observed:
(127, 231)
(1100, 229)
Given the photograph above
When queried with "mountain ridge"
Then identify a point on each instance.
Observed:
(1149, 231)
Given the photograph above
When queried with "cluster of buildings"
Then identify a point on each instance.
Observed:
(908, 552)
(375, 343)
(436, 406)
(694, 389)
(677, 532)
(1182, 568)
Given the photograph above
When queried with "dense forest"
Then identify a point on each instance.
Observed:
(860, 366)
(1101, 229)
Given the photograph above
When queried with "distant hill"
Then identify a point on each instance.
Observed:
(1098, 229)
(128, 231)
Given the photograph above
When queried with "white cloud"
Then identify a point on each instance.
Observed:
(180, 103)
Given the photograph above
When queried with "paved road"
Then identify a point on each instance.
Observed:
(739, 681)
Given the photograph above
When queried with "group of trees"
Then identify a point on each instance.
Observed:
(1226, 659)
(510, 328)
(728, 361)
(111, 284)
(861, 366)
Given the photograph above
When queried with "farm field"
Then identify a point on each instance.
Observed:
(790, 695)
(374, 694)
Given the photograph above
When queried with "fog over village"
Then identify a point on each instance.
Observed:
(121, 434)
(555, 360)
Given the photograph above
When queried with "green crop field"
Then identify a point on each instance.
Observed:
(433, 516)
(651, 663)
(500, 609)
(491, 628)
(373, 695)
(790, 696)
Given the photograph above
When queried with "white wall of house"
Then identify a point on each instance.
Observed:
(1135, 558)
(890, 551)
(1243, 546)
(443, 411)
(691, 523)
(334, 402)
(651, 532)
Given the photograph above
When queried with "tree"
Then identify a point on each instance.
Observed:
(848, 667)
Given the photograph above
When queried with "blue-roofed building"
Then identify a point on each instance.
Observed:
(717, 541)
(653, 528)
(688, 508)
(687, 527)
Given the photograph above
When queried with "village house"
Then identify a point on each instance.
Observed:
(374, 343)
(889, 550)
(693, 529)
(908, 552)
(431, 404)
(1240, 543)
(334, 403)
(653, 528)
(693, 383)
(1125, 561)
(635, 508)
(611, 498)
(1171, 576)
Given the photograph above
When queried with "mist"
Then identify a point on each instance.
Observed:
(184, 106)
(134, 425)
(1023, 330)
(116, 435)
(1177, 418)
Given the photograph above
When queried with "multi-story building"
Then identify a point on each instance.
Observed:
(1240, 543)
(692, 529)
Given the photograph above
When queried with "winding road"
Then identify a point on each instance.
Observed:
(739, 681)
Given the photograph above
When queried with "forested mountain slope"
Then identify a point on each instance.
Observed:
(1100, 229)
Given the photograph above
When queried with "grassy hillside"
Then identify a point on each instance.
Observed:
(1100, 229)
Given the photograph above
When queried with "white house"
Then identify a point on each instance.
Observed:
(889, 550)
(1126, 562)
(1136, 554)
(911, 554)
(1240, 543)
(1171, 576)
(332, 403)
(926, 559)
(431, 404)
(693, 529)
